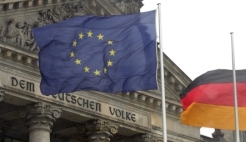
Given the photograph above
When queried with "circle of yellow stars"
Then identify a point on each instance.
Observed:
(77, 61)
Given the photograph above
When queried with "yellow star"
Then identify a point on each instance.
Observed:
(110, 63)
(97, 73)
(110, 42)
(72, 54)
(105, 70)
(77, 61)
(100, 36)
(74, 42)
(89, 34)
(86, 69)
(112, 52)
(81, 35)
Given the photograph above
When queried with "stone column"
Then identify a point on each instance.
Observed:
(2, 94)
(97, 130)
(39, 120)
(144, 138)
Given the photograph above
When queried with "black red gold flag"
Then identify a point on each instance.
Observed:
(208, 101)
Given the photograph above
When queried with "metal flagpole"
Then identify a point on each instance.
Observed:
(235, 90)
(162, 79)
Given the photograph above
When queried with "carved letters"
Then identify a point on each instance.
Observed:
(29, 86)
(129, 116)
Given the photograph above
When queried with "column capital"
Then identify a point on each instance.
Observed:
(2, 94)
(144, 138)
(40, 115)
(98, 130)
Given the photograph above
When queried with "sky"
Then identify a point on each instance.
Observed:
(196, 34)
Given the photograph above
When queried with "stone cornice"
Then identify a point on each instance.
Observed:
(17, 55)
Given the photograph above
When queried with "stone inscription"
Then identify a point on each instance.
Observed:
(123, 114)
(95, 106)
(25, 85)
(81, 101)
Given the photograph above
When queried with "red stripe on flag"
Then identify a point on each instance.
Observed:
(217, 94)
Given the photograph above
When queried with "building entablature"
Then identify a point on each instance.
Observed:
(144, 100)
(132, 110)
(151, 99)
(10, 52)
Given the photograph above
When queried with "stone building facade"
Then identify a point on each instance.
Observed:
(84, 116)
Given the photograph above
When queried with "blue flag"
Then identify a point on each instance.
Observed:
(110, 54)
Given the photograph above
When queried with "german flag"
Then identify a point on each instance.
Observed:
(208, 101)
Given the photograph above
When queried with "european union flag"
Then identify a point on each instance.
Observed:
(109, 54)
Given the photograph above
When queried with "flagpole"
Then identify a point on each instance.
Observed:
(162, 78)
(235, 90)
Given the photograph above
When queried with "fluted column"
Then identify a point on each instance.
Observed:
(144, 138)
(2, 94)
(98, 130)
(39, 120)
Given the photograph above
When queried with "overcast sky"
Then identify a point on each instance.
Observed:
(196, 34)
